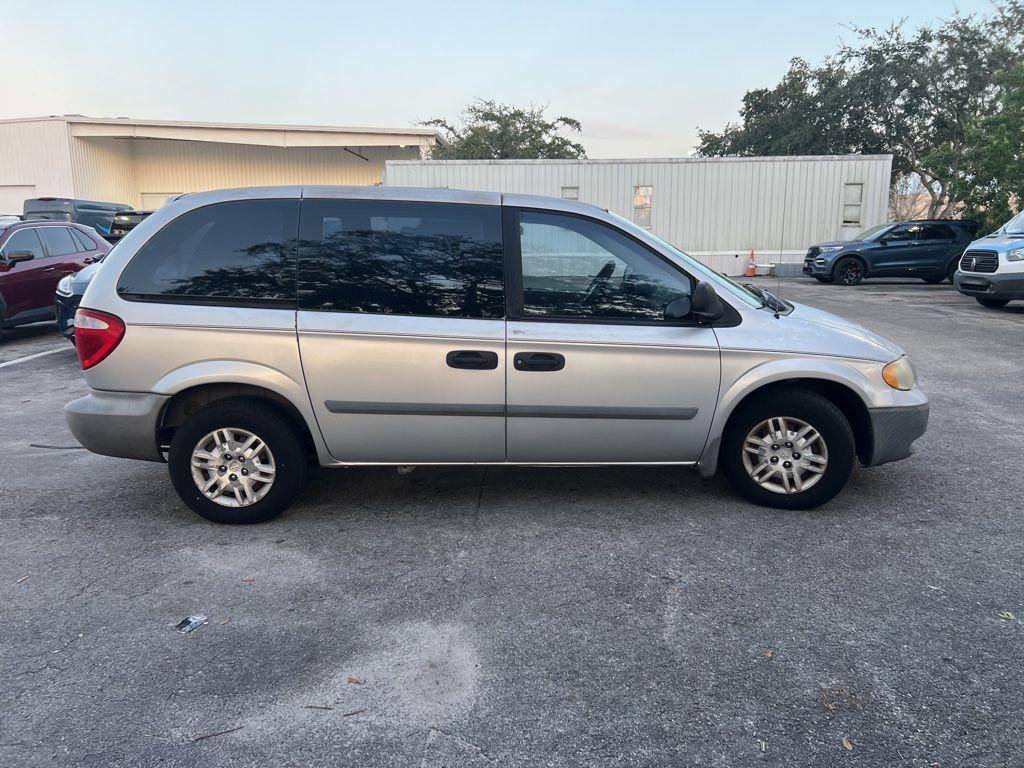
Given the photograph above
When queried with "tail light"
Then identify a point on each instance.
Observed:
(97, 334)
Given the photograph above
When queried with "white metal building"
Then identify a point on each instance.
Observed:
(718, 209)
(143, 162)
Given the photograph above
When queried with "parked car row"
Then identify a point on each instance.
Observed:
(990, 269)
(49, 254)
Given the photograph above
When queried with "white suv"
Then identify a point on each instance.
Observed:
(992, 268)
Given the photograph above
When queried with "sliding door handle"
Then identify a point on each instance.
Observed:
(539, 361)
(472, 360)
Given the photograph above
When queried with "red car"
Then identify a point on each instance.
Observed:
(34, 256)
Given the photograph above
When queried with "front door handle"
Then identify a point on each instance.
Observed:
(49, 269)
(539, 361)
(472, 359)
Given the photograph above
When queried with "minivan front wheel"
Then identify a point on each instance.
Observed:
(236, 461)
(791, 449)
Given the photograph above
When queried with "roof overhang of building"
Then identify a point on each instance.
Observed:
(260, 135)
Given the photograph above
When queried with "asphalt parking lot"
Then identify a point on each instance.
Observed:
(478, 617)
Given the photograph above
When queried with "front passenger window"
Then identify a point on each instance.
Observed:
(24, 240)
(579, 268)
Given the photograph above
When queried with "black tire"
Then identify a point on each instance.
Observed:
(280, 435)
(951, 271)
(822, 278)
(849, 270)
(935, 280)
(991, 303)
(810, 407)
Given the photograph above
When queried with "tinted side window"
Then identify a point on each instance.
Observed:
(937, 232)
(401, 258)
(904, 233)
(85, 243)
(24, 240)
(57, 240)
(242, 251)
(579, 268)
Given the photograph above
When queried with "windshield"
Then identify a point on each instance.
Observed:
(1015, 226)
(872, 233)
(695, 266)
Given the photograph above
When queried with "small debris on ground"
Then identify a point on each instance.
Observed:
(836, 699)
(768, 654)
(354, 680)
(354, 712)
(847, 744)
(1006, 616)
(23, 578)
(218, 733)
(190, 624)
(248, 580)
(317, 706)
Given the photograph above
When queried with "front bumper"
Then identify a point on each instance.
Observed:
(65, 308)
(119, 424)
(992, 285)
(811, 267)
(893, 431)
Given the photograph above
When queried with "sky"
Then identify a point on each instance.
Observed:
(640, 76)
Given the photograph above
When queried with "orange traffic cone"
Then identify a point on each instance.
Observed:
(751, 268)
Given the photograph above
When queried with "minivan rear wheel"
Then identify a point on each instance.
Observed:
(992, 303)
(791, 449)
(237, 461)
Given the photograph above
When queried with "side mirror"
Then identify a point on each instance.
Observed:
(15, 256)
(705, 304)
(678, 309)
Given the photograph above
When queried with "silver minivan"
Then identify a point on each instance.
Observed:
(239, 335)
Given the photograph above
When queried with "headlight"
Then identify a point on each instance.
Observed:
(827, 248)
(899, 374)
(64, 286)
(1017, 255)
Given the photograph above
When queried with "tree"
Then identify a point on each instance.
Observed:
(492, 131)
(992, 172)
(913, 95)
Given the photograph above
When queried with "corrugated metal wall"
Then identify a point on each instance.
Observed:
(168, 166)
(34, 161)
(716, 208)
(103, 169)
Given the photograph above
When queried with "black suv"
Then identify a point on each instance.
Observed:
(926, 248)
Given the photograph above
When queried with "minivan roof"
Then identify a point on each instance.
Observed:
(411, 194)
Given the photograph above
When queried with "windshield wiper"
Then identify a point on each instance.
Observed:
(767, 298)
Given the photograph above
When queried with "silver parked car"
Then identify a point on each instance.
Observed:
(239, 334)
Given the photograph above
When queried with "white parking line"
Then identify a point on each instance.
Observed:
(26, 358)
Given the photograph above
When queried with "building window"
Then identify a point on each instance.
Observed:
(853, 198)
(643, 198)
(570, 193)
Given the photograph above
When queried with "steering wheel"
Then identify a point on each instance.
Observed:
(599, 282)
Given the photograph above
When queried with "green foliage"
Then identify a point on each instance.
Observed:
(992, 173)
(492, 131)
(916, 95)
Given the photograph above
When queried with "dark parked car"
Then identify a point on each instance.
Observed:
(926, 248)
(34, 256)
(125, 222)
(68, 296)
(91, 213)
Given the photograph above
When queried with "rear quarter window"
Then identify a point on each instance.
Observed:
(239, 252)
